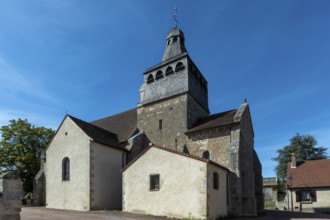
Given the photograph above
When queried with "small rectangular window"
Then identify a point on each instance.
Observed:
(160, 124)
(306, 196)
(154, 182)
(215, 181)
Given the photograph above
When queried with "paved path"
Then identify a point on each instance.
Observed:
(37, 213)
(41, 213)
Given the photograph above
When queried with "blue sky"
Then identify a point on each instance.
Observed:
(87, 58)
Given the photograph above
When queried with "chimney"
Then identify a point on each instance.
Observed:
(293, 161)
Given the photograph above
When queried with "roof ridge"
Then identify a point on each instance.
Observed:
(93, 125)
(220, 119)
(175, 152)
(223, 112)
(189, 155)
(119, 113)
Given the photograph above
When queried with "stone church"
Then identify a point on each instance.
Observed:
(168, 156)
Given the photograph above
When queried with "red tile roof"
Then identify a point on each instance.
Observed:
(312, 173)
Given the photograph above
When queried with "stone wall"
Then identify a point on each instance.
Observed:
(39, 189)
(216, 141)
(233, 147)
(235, 186)
(172, 112)
(176, 119)
(11, 192)
(258, 183)
(39, 185)
(223, 145)
(194, 111)
(247, 164)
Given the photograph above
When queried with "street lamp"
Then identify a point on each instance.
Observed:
(290, 179)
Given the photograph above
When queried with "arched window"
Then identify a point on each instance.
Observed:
(206, 155)
(159, 75)
(66, 169)
(150, 79)
(179, 67)
(169, 71)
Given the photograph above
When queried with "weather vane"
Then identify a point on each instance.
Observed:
(174, 16)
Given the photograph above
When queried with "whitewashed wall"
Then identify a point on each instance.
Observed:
(183, 186)
(106, 177)
(322, 201)
(217, 198)
(70, 141)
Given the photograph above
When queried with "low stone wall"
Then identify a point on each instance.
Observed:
(11, 190)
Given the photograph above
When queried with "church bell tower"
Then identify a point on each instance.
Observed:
(173, 95)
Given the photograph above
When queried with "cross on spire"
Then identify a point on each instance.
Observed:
(176, 23)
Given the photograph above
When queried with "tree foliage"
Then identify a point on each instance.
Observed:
(21, 147)
(304, 146)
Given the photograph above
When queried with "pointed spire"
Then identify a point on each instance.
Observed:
(174, 41)
(174, 44)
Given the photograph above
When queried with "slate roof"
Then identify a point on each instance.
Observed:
(123, 124)
(312, 173)
(96, 133)
(216, 120)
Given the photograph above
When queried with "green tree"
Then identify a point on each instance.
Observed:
(21, 147)
(304, 146)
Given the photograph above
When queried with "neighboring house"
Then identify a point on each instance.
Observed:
(82, 168)
(308, 185)
(187, 186)
(270, 187)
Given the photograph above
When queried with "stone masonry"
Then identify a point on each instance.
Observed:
(173, 112)
(232, 147)
(175, 119)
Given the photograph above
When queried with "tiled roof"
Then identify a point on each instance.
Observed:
(123, 124)
(213, 121)
(96, 133)
(312, 173)
(175, 152)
